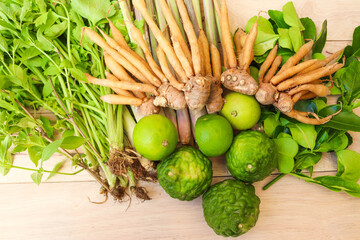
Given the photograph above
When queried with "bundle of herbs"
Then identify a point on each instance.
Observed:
(44, 58)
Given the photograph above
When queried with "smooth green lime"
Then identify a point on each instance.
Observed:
(185, 174)
(251, 157)
(231, 208)
(242, 111)
(155, 137)
(213, 134)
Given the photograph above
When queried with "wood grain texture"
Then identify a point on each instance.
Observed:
(291, 209)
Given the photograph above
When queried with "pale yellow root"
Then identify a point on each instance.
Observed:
(292, 61)
(118, 37)
(274, 67)
(120, 72)
(215, 61)
(191, 35)
(267, 63)
(296, 97)
(205, 46)
(175, 30)
(202, 57)
(118, 90)
(122, 100)
(291, 71)
(140, 87)
(308, 95)
(162, 41)
(249, 46)
(319, 89)
(166, 70)
(181, 56)
(237, 43)
(141, 65)
(98, 40)
(301, 117)
(306, 78)
(226, 35)
(138, 37)
(323, 62)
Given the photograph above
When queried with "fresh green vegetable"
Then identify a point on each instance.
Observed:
(251, 157)
(231, 208)
(186, 174)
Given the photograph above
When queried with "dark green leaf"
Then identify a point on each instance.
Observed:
(254, 72)
(337, 143)
(306, 106)
(35, 153)
(310, 28)
(291, 17)
(349, 78)
(348, 165)
(356, 39)
(73, 142)
(36, 177)
(345, 120)
(340, 183)
(270, 125)
(92, 9)
(56, 168)
(278, 18)
(308, 160)
(50, 149)
(47, 126)
(321, 40)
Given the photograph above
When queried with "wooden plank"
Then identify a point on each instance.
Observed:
(342, 16)
(291, 209)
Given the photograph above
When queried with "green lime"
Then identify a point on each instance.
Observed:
(213, 134)
(155, 137)
(242, 111)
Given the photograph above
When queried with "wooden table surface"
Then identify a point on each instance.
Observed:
(291, 209)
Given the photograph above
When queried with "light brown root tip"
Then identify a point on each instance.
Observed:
(102, 202)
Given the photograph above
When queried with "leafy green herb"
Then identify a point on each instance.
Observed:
(72, 142)
(304, 134)
(286, 149)
(291, 17)
(92, 9)
(284, 38)
(278, 18)
(321, 40)
(310, 28)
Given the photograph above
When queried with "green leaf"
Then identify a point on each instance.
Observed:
(56, 30)
(41, 4)
(56, 168)
(349, 78)
(291, 17)
(5, 164)
(338, 182)
(93, 10)
(30, 53)
(73, 142)
(254, 72)
(308, 160)
(318, 56)
(263, 25)
(67, 133)
(3, 44)
(286, 149)
(26, 123)
(41, 20)
(35, 153)
(310, 28)
(278, 18)
(270, 125)
(47, 89)
(348, 165)
(346, 120)
(36, 177)
(19, 149)
(338, 143)
(284, 38)
(78, 75)
(51, 71)
(296, 38)
(356, 39)
(47, 126)
(43, 43)
(304, 134)
(50, 149)
(321, 40)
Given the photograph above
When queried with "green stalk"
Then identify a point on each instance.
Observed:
(173, 7)
(197, 10)
(129, 125)
(161, 19)
(153, 43)
(128, 19)
(210, 22)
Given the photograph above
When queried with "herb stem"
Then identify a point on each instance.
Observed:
(274, 181)
(46, 171)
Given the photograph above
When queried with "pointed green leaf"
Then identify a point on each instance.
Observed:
(56, 168)
(35, 153)
(73, 142)
(36, 177)
(286, 149)
(304, 134)
(50, 149)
